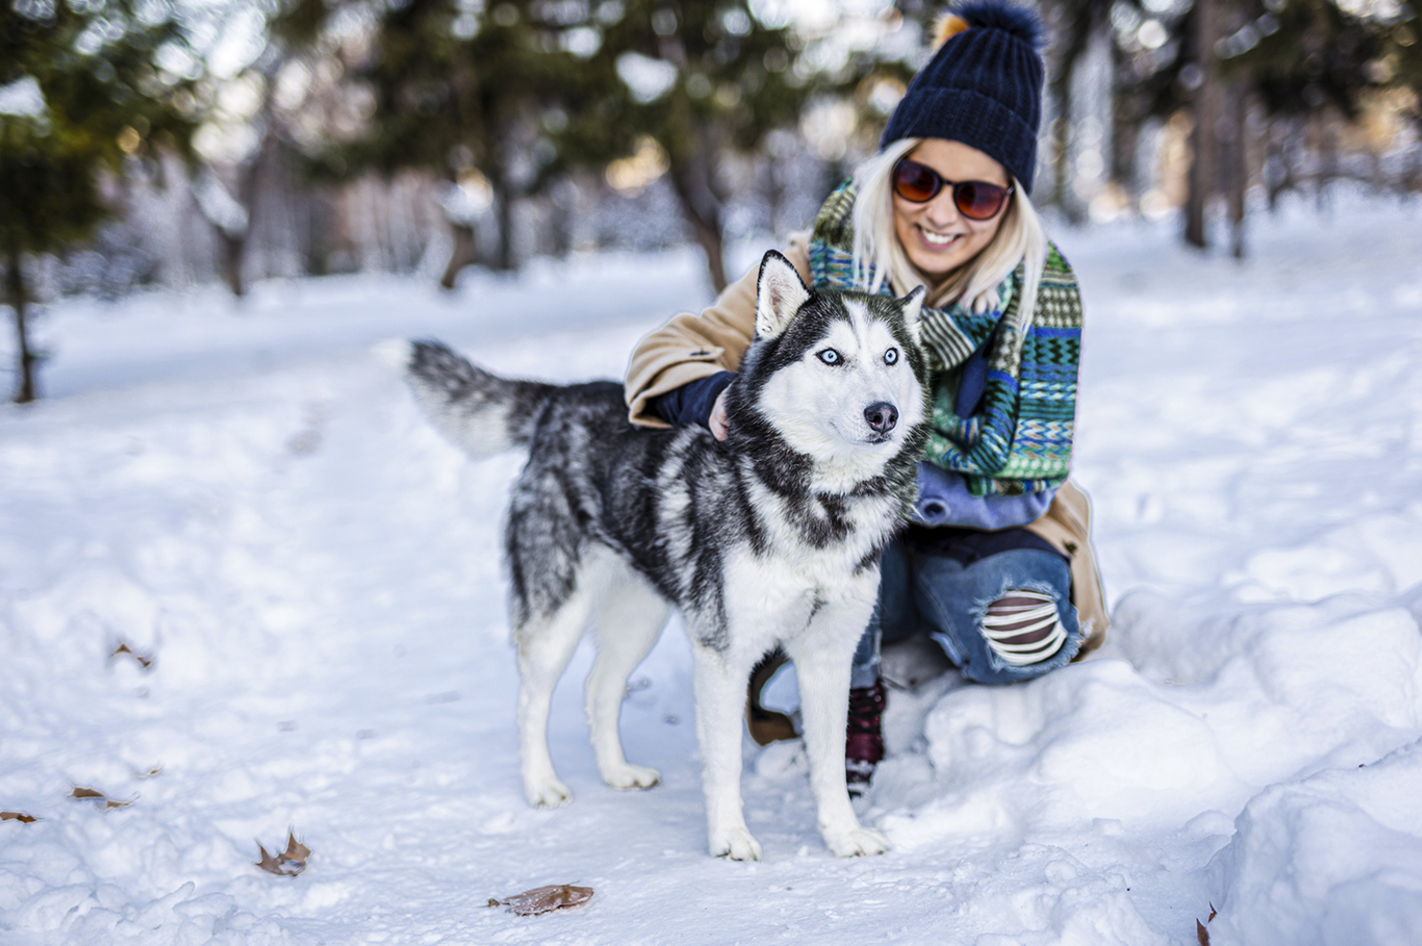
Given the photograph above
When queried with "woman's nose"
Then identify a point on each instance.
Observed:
(941, 210)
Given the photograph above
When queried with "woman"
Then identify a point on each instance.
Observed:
(996, 566)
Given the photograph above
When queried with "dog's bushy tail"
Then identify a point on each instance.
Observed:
(479, 411)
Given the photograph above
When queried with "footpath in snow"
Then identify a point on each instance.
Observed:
(244, 495)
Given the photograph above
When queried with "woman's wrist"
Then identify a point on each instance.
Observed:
(692, 403)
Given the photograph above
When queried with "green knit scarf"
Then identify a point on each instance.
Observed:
(1019, 439)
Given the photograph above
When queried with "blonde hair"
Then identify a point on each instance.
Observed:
(1020, 237)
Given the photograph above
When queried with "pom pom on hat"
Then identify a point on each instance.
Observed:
(993, 14)
(948, 26)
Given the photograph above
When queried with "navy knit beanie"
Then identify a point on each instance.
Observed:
(982, 87)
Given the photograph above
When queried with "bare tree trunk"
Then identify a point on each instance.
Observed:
(1059, 87)
(1125, 142)
(26, 391)
(700, 208)
(1278, 176)
(234, 251)
(1238, 166)
(235, 242)
(1283, 176)
(1328, 158)
(1061, 143)
(463, 254)
(1205, 139)
(774, 191)
(1412, 177)
(234, 235)
(503, 211)
(560, 226)
(708, 237)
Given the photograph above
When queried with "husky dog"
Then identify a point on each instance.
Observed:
(770, 537)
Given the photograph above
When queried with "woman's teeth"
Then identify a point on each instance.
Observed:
(938, 239)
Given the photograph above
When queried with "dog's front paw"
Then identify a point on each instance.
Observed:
(736, 844)
(857, 843)
(547, 794)
(632, 776)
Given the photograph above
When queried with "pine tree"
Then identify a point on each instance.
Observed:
(705, 79)
(1074, 23)
(87, 94)
(522, 91)
(1296, 58)
(1303, 55)
(460, 90)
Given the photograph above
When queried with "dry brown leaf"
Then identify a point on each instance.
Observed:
(545, 899)
(295, 850)
(1213, 913)
(19, 816)
(290, 862)
(155, 771)
(91, 794)
(144, 660)
(273, 865)
(279, 864)
(1202, 934)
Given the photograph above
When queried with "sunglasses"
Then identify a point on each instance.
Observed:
(976, 200)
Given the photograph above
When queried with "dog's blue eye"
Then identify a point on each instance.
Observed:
(830, 357)
(891, 356)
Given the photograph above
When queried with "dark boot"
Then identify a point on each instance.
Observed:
(767, 726)
(864, 737)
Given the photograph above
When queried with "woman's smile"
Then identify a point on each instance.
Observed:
(937, 240)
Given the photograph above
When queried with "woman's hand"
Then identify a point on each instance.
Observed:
(717, 420)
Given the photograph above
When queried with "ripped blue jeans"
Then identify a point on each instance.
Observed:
(940, 582)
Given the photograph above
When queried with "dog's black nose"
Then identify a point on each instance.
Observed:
(881, 416)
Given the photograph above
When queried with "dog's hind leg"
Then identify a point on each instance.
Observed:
(822, 658)
(545, 644)
(628, 622)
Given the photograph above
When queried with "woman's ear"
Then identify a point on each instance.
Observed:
(779, 295)
(912, 309)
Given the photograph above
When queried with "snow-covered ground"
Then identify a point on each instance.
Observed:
(244, 494)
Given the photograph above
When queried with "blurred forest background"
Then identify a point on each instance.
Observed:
(172, 142)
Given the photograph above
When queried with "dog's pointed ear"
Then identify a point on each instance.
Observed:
(778, 296)
(913, 308)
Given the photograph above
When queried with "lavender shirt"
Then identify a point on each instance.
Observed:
(944, 500)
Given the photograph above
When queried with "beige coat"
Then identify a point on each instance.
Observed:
(692, 346)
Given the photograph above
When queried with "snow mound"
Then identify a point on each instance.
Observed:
(1332, 859)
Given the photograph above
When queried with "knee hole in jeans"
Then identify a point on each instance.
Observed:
(1023, 627)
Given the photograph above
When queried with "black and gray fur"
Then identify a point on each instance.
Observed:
(757, 541)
